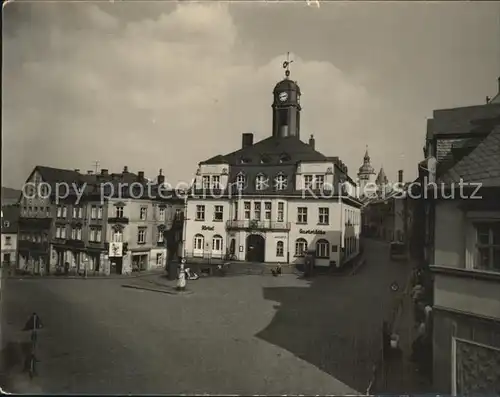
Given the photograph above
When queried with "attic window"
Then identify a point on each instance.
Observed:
(261, 182)
(244, 160)
(284, 158)
(265, 160)
(6, 224)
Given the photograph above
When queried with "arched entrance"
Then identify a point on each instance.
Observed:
(256, 248)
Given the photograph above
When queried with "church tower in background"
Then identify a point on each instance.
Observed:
(366, 175)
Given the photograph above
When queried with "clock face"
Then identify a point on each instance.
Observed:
(283, 96)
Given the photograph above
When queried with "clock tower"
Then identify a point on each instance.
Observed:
(286, 106)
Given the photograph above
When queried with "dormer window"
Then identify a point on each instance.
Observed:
(240, 181)
(284, 158)
(206, 182)
(215, 182)
(265, 160)
(280, 182)
(245, 160)
(261, 182)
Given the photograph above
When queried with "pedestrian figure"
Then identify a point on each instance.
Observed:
(66, 268)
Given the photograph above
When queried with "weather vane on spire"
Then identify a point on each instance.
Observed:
(286, 65)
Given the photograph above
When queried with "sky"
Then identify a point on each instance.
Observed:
(165, 85)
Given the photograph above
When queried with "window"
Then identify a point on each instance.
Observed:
(308, 181)
(141, 236)
(281, 212)
(217, 243)
(118, 236)
(119, 212)
(77, 212)
(161, 237)
(200, 213)
(143, 213)
(257, 211)
(261, 182)
(93, 212)
(324, 216)
(64, 211)
(99, 212)
(322, 249)
(206, 182)
(59, 211)
(302, 215)
(280, 251)
(178, 213)
(247, 205)
(162, 214)
(267, 208)
(60, 232)
(76, 233)
(488, 246)
(8, 240)
(199, 240)
(280, 182)
(95, 235)
(48, 212)
(235, 209)
(219, 213)
(215, 182)
(6, 223)
(240, 181)
(300, 247)
(319, 182)
(159, 259)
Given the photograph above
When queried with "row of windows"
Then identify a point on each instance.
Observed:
(35, 238)
(262, 182)
(322, 247)
(30, 211)
(259, 213)
(352, 217)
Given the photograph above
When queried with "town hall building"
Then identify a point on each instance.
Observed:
(274, 200)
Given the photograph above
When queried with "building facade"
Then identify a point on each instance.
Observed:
(10, 218)
(104, 223)
(460, 244)
(275, 200)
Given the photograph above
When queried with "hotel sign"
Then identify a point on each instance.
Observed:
(210, 228)
(315, 231)
(115, 250)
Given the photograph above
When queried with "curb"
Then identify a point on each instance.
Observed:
(163, 291)
(356, 268)
(89, 277)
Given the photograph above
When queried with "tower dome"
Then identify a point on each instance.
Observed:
(366, 168)
(286, 85)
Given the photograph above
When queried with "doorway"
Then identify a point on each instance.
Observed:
(256, 248)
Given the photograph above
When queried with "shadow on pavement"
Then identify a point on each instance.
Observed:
(315, 326)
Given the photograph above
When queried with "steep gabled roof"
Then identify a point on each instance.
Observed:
(273, 149)
(10, 219)
(460, 120)
(482, 165)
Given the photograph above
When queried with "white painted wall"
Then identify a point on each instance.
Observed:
(449, 235)
(334, 232)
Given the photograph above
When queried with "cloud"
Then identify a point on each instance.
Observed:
(84, 83)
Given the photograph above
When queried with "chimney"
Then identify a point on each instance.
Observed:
(161, 178)
(140, 176)
(90, 172)
(104, 172)
(125, 169)
(77, 170)
(312, 142)
(246, 140)
(400, 176)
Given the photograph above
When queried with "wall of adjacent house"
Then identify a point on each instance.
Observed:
(449, 236)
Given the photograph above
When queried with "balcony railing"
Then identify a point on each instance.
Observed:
(257, 225)
(121, 219)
